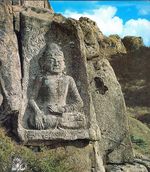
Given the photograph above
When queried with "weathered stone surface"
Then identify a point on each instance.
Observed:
(111, 45)
(34, 3)
(109, 104)
(34, 44)
(10, 73)
(91, 35)
(19, 5)
(6, 18)
(144, 161)
(127, 168)
(1, 97)
(16, 2)
(110, 109)
(5, 1)
(108, 99)
(132, 43)
(107, 95)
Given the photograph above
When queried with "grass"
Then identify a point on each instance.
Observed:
(140, 113)
(52, 160)
(140, 136)
(44, 161)
(137, 111)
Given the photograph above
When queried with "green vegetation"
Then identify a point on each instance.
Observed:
(140, 136)
(138, 141)
(43, 161)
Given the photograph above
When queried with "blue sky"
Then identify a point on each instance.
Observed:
(112, 17)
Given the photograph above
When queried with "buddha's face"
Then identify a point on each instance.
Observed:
(55, 63)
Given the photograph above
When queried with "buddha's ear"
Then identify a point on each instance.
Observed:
(64, 71)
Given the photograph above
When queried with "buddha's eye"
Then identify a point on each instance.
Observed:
(51, 60)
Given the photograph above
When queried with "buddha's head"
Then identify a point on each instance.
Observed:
(53, 60)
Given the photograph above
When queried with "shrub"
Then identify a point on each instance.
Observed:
(138, 141)
(43, 161)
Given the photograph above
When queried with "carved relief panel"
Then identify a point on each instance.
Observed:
(54, 92)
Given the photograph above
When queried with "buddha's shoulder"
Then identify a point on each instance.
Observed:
(68, 77)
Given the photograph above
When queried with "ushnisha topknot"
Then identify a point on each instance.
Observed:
(53, 49)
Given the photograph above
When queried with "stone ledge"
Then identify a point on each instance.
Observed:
(55, 134)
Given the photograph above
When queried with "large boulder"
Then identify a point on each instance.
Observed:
(111, 45)
(107, 97)
(132, 43)
(111, 111)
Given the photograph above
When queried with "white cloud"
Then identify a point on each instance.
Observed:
(109, 23)
(139, 27)
(104, 17)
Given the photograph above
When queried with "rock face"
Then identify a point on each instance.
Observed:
(110, 109)
(84, 102)
(33, 3)
(10, 72)
(108, 100)
(111, 45)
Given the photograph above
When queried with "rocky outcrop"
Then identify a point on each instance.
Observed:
(143, 161)
(111, 45)
(41, 4)
(33, 3)
(132, 43)
(110, 109)
(91, 35)
(109, 105)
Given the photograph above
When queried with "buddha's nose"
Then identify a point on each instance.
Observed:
(56, 63)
